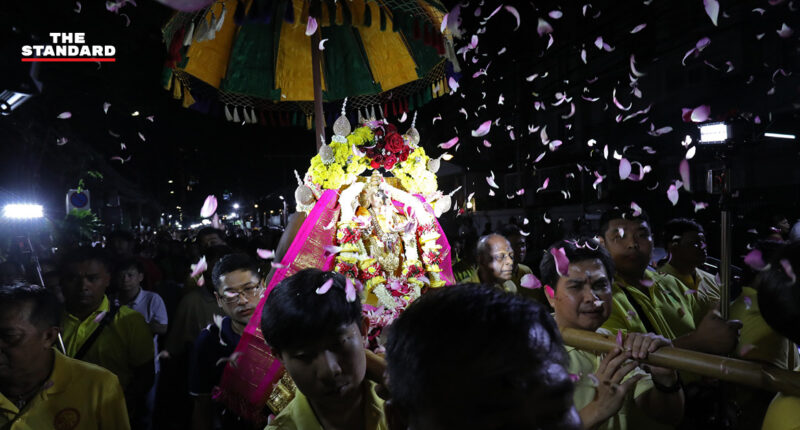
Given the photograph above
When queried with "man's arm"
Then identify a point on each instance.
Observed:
(664, 402)
(713, 335)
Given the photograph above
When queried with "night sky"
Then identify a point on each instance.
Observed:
(746, 71)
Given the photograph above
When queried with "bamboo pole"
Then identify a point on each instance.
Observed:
(316, 64)
(762, 376)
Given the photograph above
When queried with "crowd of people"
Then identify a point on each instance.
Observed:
(137, 332)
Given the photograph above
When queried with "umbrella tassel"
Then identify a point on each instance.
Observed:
(261, 119)
(189, 35)
(227, 113)
(367, 15)
(236, 115)
(383, 19)
(309, 120)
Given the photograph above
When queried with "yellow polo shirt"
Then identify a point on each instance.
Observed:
(703, 282)
(584, 364)
(298, 415)
(80, 396)
(671, 310)
(783, 414)
(123, 345)
(507, 286)
(757, 340)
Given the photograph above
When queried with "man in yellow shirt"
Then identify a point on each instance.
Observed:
(612, 392)
(685, 242)
(647, 302)
(114, 337)
(495, 263)
(39, 387)
(474, 357)
(513, 233)
(313, 323)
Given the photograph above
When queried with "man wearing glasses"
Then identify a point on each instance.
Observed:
(237, 288)
(495, 263)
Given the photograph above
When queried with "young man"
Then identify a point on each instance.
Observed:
(647, 302)
(116, 338)
(474, 357)
(318, 334)
(40, 388)
(238, 289)
(685, 242)
(625, 396)
(130, 274)
(495, 263)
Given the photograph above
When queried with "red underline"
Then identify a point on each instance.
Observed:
(68, 60)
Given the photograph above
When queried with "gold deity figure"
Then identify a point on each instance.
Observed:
(383, 234)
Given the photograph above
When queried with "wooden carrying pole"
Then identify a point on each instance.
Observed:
(316, 64)
(762, 376)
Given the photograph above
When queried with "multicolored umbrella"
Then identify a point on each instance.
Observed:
(252, 60)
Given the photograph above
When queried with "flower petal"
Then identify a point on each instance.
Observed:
(562, 262)
(311, 27)
(712, 9)
(530, 281)
(672, 194)
(265, 254)
(325, 286)
(482, 130)
(209, 206)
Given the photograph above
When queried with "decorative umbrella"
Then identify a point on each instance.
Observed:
(253, 59)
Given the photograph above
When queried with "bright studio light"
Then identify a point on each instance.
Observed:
(23, 211)
(236, 205)
(716, 132)
(779, 135)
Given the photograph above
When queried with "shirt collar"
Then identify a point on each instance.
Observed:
(138, 299)
(60, 377)
(104, 307)
(304, 417)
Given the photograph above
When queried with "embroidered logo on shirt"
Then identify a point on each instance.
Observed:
(67, 419)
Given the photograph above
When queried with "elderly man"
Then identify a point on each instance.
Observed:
(40, 388)
(495, 263)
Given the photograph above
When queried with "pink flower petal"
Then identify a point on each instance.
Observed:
(265, 254)
(617, 103)
(672, 194)
(755, 260)
(78, 8)
(543, 27)
(100, 317)
(530, 281)
(216, 223)
(200, 267)
(483, 129)
(555, 14)
(486, 143)
(513, 11)
(683, 168)
(311, 27)
(325, 286)
(61, 141)
(638, 28)
(449, 144)
(349, 290)
(698, 206)
(712, 9)
(700, 113)
(209, 207)
(624, 168)
(65, 115)
(544, 185)
(491, 182)
(549, 291)
(637, 210)
(562, 262)
(106, 105)
(785, 31)
(619, 338)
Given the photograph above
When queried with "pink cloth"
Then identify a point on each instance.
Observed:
(245, 387)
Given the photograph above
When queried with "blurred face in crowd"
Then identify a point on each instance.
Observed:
(24, 346)
(497, 260)
(209, 240)
(690, 247)
(520, 247)
(329, 370)
(85, 284)
(238, 294)
(121, 246)
(630, 243)
(130, 279)
(582, 299)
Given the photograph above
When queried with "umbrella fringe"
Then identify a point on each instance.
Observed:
(367, 15)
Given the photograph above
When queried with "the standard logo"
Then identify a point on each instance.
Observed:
(68, 48)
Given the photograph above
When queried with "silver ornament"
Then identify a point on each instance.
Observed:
(326, 155)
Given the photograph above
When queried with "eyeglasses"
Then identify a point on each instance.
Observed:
(249, 292)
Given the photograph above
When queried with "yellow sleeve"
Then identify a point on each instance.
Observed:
(623, 316)
(783, 414)
(111, 410)
(139, 338)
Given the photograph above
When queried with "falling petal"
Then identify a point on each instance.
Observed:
(61, 141)
(513, 11)
(712, 9)
(617, 103)
(482, 130)
(562, 262)
(265, 254)
(491, 182)
(78, 8)
(698, 206)
(100, 316)
(598, 43)
(672, 194)
(486, 143)
(216, 224)
(350, 290)
(321, 46)
(453, 84)
(332, 250)
(787, 268)
(311, 27)
(106, 105)
(637, 210)
(555, 14)
(209, 206)
(327, 285)
(200, 267)
(544, 185)
(65, 115)
(785, 31)
(583, 56)
(530, 281)
(691, 152)
(624, 168)
(683, 168)
(141, 136)
(449, 144)
(549, 291)
(619, 338)
(700, 113)
(659, 131)
(638, 28)
(755, 260)
(233, 359)
(543, 27)
(545, 218)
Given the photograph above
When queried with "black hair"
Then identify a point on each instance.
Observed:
(121, 234)
(509, 230)
(295, 314)
(484, 330)
(129, 263)
(207, 231)
(213, 255)
(679, 226)
(45, 307)
(83, 254)
(779, 292)
(619, 213)
(575, 250)
(230, 263)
